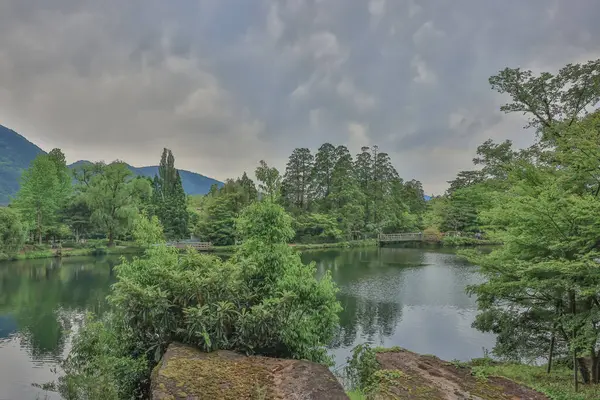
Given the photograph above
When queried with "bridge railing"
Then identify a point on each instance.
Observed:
(200, 246)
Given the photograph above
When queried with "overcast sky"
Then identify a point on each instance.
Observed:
(227, 83)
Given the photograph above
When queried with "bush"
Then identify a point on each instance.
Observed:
(102, 364)
(263, 300)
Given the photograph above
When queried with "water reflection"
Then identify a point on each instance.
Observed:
(41, 301)
(414, 298)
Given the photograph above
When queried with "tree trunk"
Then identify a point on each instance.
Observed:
(552, 340)
(39, 226)
(589, 368)
(111, 238)
(574, 311)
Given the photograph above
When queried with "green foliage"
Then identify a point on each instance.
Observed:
(316, 228)
(169, 201)
(147, 231)
(100, 365)
(295, 186)
(269, 180)
(556, 385)
(12, 233)
(218, 211)
(541, 293)
(361, 367)
(263, 300)
(114, 199)
(45, 187)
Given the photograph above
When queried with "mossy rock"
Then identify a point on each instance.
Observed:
(188, 373)
(407, 375)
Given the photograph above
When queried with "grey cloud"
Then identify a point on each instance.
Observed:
(226, 83)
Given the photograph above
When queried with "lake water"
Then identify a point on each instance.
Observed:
(413, 298)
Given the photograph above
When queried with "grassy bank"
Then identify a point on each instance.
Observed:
(462, 241)
(313, 246)
(558, 385)
(54, 253)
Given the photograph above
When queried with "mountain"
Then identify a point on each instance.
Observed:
(193, 183)
(16, 153)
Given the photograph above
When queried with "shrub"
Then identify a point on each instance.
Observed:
(263, 300)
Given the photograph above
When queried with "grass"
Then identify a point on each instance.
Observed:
(33, 254)
(356, 395)
(558, 385)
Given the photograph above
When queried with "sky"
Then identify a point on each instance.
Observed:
(226, 83)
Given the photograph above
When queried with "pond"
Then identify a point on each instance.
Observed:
(413, 298)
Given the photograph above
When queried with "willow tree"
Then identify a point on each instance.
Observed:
(114, 199)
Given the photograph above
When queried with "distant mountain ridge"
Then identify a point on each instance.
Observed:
(16, 153)
(193, 183)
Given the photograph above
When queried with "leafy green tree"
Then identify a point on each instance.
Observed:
(40, 195)
(114, 198)
(297, 179)
(219, 210)
(315, 227)
(541, 293)
(547, 98)
(77, 216)
(12, 232)
(269, 180)
(249, 189)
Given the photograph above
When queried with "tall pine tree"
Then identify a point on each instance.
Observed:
(296, 181)
(169, 199)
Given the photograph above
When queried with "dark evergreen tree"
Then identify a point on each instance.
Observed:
(322, 175)
(169, 201)
(296, 181)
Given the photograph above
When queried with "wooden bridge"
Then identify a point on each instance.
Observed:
(200, 246)
(412, 237)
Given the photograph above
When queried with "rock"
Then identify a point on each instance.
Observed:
(188, 373)
(407, 375)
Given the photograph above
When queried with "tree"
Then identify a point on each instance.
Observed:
(541, 293)
(322, 175)
(77, 216)
(346, 198)
(249, 189)
(169, 201)
(297, 178)
(547, 98)
(40, 195)
(269, 180)
(12, 232)
(114, 198)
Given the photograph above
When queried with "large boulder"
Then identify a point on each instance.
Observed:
(407, 375)
(188, 373)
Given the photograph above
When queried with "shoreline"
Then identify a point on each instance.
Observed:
(118, 250)
(53, 253)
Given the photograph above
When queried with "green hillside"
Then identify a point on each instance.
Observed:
(16, 153)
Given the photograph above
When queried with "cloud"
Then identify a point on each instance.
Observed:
(226, 83)
(423, 74)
